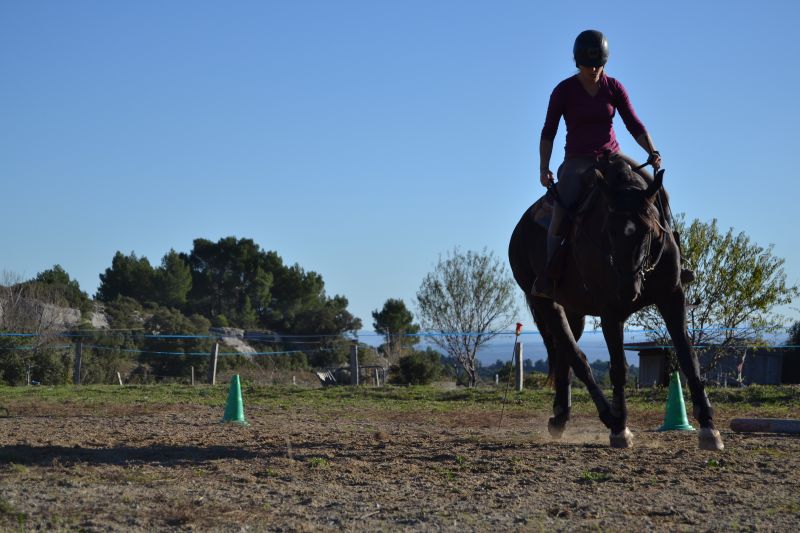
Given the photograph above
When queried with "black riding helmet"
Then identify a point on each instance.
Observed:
(591, 49)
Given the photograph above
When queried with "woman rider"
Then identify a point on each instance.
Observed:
(588, 102)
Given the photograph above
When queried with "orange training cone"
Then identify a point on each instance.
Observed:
(675, 417)
(234, 410)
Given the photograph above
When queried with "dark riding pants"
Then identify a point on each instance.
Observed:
(569, 187)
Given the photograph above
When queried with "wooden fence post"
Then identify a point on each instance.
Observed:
(212, 364)
(76, 370)
(354, 364)
(518, 371)
(192, 376)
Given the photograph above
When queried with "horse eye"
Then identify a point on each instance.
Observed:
(629, 228)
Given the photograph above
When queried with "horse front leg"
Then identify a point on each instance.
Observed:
(673, 310)
(562, 402)
(562, 378)
(567, 354)
(621, 436)
(559, 371)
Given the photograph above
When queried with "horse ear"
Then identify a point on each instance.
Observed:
(656, 185)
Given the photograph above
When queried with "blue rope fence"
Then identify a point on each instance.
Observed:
(284, 339)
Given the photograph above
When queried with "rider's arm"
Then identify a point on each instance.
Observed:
(632, 122)
(551, 120)
(545, 151)
(645, 141)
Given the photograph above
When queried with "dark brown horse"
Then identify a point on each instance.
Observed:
(621, 258)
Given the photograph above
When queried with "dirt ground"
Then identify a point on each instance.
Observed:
(176, 468)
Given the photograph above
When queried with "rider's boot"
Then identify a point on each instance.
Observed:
(543, 286)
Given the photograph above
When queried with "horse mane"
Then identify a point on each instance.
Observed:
(622, 179)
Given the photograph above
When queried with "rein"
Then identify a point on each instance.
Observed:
(649, 264)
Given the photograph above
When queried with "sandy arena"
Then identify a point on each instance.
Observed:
(175, 468)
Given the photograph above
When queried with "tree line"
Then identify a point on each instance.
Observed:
(228, 283)
(465, 301)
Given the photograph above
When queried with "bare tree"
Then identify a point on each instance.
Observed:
(467, 300)
(32, 309)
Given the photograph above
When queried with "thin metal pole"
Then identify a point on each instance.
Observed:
(354, 364)
(212, 364)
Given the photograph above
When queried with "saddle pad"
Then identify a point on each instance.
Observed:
(542, 211)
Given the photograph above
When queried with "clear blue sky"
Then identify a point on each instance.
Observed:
(362, 139)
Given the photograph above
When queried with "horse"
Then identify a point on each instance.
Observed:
(621, 257)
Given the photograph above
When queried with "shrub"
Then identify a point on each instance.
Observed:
(417, 368)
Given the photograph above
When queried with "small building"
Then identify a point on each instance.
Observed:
(764, 366)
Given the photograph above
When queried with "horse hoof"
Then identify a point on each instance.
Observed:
(710, 440)
(555, 430)
(623, 439)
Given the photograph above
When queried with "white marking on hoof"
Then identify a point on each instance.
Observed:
(710, 440)
(623, 439)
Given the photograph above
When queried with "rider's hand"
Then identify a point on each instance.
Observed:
(655, 160)
(546, 178)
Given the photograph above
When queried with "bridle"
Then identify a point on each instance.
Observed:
(649, 263)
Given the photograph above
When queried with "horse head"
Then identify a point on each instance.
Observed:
(631, 222)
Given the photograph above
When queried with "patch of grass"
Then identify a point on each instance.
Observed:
(318, 462)
(775, 454)
(6, 507)
(446, 473)
(765, 400)
(791, 508)
(8, 510)
(713, 463)
(138, 477)
(592, 476)
(18, 469)
(461, 460)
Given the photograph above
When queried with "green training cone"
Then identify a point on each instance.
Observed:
(234, 411)
(675, 417)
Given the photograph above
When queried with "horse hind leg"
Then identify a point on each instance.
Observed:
(564, 355)
(559, 371)
(562, 402)
(562, 380)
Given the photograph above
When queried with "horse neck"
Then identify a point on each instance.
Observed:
(591, 219)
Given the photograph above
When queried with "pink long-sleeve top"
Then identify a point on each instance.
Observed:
(589, 118)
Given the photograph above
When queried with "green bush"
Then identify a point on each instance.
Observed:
(47, 365)
(417, 368)
(535, 380)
